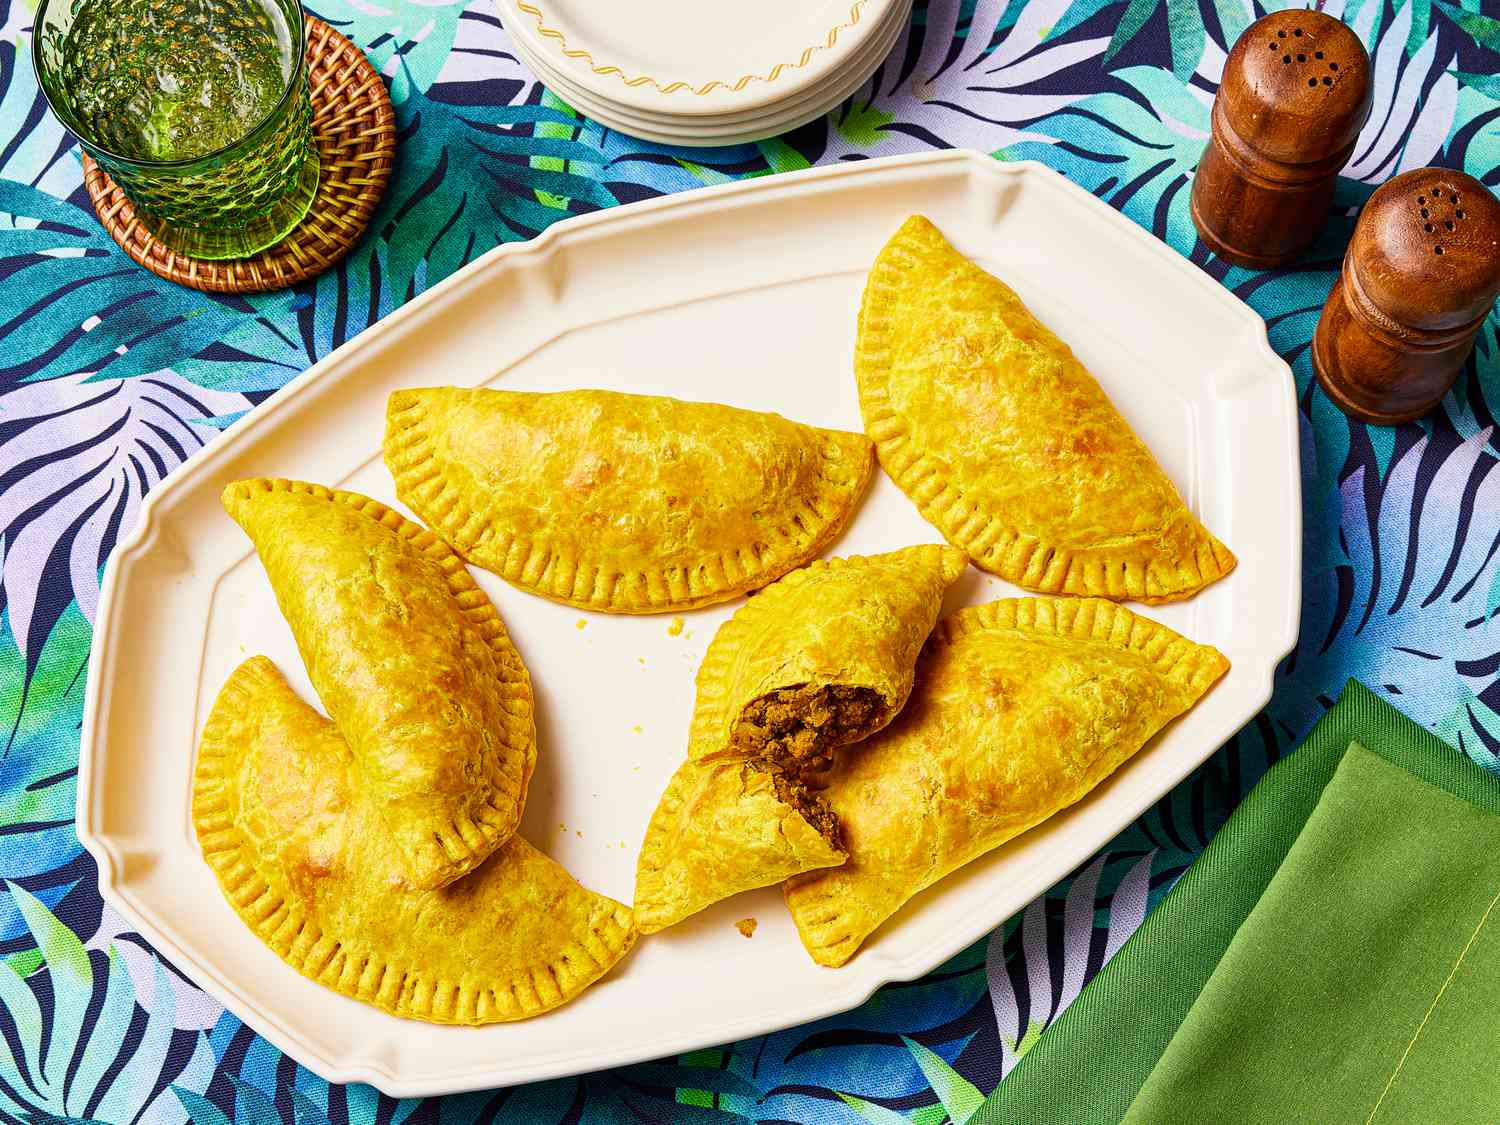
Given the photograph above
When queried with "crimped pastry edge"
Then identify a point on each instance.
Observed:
(585, 584)
(463, 844)
(1005, 551)
(1196, 667)
(1173, 657)
(712, 692)
(342, 964)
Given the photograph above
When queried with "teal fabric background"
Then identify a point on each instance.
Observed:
(110, 377)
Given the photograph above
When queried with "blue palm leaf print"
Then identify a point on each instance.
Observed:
(113, 377)
(1039, 963)
(1466, 407)
(977, 91)
(1408, 611)
(1414, 103)
(81, 1046)
(41, 708)
(90, 449)
(409, 43)
(1135, 149)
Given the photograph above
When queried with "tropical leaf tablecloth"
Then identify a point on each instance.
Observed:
(110, 377)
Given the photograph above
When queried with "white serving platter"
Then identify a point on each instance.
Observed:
(746, 294)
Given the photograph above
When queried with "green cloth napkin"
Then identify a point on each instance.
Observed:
(1363, 986)
(1097, 1057)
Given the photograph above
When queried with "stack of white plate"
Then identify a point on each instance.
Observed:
(704, 74)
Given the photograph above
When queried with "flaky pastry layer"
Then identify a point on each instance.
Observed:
(1021, 707)
(302, 856)
(1005, 441)
(806, 669)
(622, 503)
(412, 662)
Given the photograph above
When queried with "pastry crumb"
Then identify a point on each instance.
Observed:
(642, 660)
(675, 628)
(580, 623)
(578, 832)
(746, 926)
(637, 730)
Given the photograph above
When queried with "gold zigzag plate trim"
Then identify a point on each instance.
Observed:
(855, 14)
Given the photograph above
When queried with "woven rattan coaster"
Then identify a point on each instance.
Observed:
(355, 130)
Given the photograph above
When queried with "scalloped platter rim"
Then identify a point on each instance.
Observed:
(644, 297)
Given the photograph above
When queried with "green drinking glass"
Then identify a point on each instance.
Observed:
(197, 109)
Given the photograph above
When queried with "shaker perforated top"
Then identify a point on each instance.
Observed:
(1296, 86)
(1426, 251)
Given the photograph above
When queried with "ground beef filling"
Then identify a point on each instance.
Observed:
(811, 807)
(797, 726)
(791, 734)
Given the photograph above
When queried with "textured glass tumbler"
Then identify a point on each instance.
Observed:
(227, 203)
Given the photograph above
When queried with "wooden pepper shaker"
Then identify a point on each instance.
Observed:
(1422, 270)
(1294, 96)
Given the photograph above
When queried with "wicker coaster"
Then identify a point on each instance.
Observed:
(355, 130)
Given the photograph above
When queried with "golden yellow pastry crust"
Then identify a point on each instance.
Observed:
(622, 503)
(820, 659)
(1021, 707)
(1005, 441)
(303, 858)
(851, 623)
(412, 662)
(719, 829)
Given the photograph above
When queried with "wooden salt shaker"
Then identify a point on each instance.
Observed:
(1422, 270)
(1294, 96)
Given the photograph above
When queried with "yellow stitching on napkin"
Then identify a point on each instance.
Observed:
(855, 14)
(1433, 1007)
